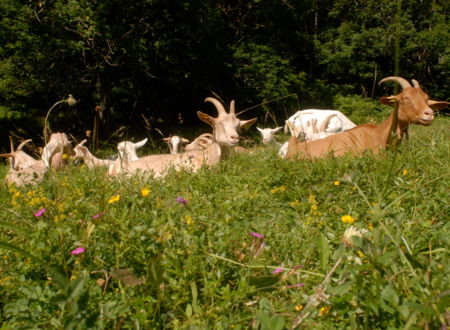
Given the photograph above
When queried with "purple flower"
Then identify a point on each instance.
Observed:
(181, 200)
(98, 215)
(39, 213)
(78, 250)
(277, 270)
(256, 235)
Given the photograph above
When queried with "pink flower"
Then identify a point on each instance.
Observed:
(181, 200)
(77, 251)
(39, 213)
(98, 215)
(256, 235)
(277, 270)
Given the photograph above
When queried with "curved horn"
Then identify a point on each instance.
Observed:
(11, 144)
(220, 109)
(82, 143)
(415, 83)
(23, 143)
(325, 123)
(402, 81)
(232, 112)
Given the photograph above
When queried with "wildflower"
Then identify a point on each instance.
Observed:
(350, 232)
(98, 215)
(370, 226)
(71, 100)
(294, 203)
(298, 308)
(65, 156)
(114, 199)
(77, 251)
(277, 270)
(181, 200)
(361, 254)
(324, 310)
(145, 192)
(405, 171)
(347, 219)
(39, 213)
(337, 183)
(189, 220)
(256, 235)
(277, 189)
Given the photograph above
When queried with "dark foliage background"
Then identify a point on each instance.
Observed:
(159, 59)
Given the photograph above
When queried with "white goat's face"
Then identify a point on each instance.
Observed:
(268, 134)
(127, 149)
(226, 126)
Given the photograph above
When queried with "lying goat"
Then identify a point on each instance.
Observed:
(127, 153)
(82, 152)
(313, 124)
(24, 169)
(201, 142)
(175, 143)
(54, 152)
(268, 134)
(225, 137)
(412, 107)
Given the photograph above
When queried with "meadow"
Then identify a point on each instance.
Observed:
(255, 242)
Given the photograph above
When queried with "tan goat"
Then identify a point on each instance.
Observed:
(412, 107)
(225, 137)
(82, 152)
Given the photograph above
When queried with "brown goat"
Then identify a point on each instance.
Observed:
(412, 106)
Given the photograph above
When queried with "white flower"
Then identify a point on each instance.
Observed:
(350, 232)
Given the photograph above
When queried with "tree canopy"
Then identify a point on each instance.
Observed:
(159, 59)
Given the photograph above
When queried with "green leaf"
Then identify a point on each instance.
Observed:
(264, 283)
(324, 251)
(14, 248)
(188, 310)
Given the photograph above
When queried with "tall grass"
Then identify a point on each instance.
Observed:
(188, 254)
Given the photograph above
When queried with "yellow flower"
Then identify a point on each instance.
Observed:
(324, 310)
(65, 156)
(189, 220)
(114, 199)
(360, 254)
(277, 189)
(370, 226)
(347, 219)
(294, 203)
(298, 308)
(145, 192)
(337, 183)
(405, 171)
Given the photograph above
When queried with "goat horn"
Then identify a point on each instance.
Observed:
(402, 82)
(220, 109)
(415, 83)
(325, 123)
(232, 107)
(23, 143)
(11, 144)
(82, 143)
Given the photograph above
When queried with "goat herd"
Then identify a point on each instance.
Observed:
(323, 133)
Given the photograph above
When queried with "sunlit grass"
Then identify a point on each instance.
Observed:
(183, 252)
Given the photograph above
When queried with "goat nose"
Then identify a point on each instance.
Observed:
(428, 112)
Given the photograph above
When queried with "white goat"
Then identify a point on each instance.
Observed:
(175, 143)
(82, 152)
(314, 124)
(268, 134)
(311, 123)
(225, 137)
(53, 153)
(201, 142)
(127, 149)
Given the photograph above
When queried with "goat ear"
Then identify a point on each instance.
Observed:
(437, 105)
(278, 129)
(259, 129)
(246, 124)
(184, 140)
(388, 100)
(166, 139)
(206, 119)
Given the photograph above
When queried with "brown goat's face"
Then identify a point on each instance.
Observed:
(414, 107)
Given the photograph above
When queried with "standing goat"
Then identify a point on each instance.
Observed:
(225, 137)
(412, 106)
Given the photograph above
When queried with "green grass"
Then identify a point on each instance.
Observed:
(196, 265)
